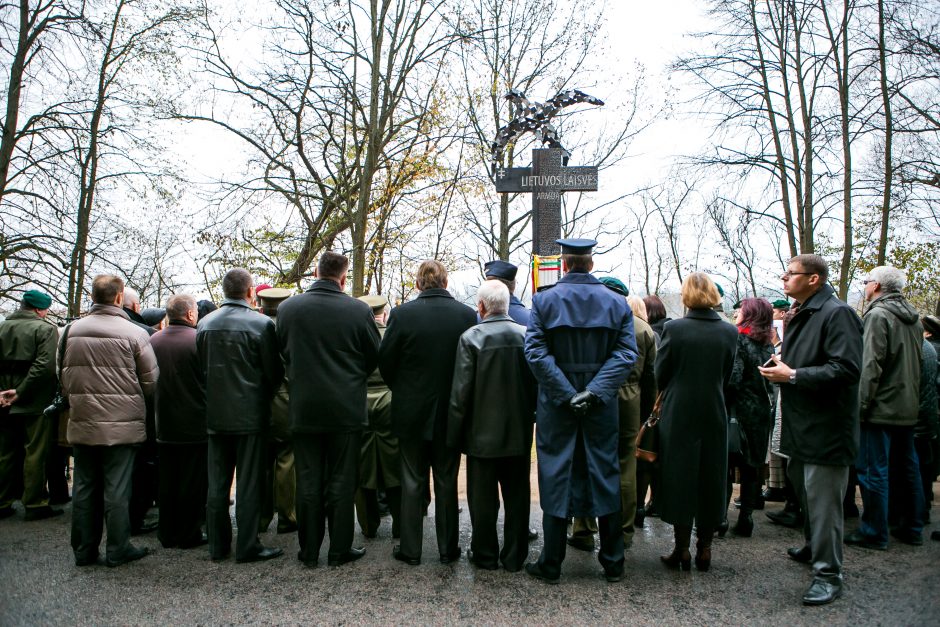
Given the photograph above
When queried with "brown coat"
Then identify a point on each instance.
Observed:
(108, 368)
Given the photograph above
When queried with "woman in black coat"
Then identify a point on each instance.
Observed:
(749, 401)
(693, 368)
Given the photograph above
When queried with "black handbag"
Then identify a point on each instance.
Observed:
(737, 440)
(645, 440)
(60, 402)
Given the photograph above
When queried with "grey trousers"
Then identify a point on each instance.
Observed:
(101, 494)
(820, 489)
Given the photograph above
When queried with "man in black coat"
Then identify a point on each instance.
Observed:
(330, 345)
(417, 363)
(819, 369)
(492, 410)
(180, 402)
(242, 368)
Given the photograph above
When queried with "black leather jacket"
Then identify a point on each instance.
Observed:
(238, 352)
(492, 401)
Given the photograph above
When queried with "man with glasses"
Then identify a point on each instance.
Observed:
(818, 369)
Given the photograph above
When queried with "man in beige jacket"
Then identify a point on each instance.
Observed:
(107, 370)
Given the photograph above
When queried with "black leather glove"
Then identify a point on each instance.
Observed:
(582, 402)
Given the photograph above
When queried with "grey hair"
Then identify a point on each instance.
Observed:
(495, 297)
(889, 278)
(179, 305)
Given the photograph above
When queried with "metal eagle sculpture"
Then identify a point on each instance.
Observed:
(536, 117)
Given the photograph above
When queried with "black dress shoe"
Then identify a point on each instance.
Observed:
(786, 519)
(536, 571)
(582, 543)
(6, 512)
(533, 535)
(908, 537)
(41, 513)
(146, 527)
(401, 557)
(774, 495)
(288, 527)
(613, 575)
(351, 555)
(803, 555)
(220, 557)
(92, 560)
(935, 536)
(473, 560)
(453, 557)
(133, 554)
(822, 592)
(859, 539)
(264, 554)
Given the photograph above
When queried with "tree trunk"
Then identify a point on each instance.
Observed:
(889, 132)
(17, 67)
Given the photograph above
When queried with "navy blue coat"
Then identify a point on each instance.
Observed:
(580, 337)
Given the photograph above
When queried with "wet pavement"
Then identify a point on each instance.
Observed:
(751, 582)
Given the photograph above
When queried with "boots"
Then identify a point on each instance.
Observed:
(703, 550)
(745, 524)
(680, 558)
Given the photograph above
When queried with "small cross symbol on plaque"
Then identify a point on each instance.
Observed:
(546, 180)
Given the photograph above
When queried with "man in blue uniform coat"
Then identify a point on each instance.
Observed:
(581, 348)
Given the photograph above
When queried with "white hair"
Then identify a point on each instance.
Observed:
(889, 278)
(495, 297)
(131, 297)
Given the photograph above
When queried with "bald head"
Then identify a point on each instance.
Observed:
(132, 299)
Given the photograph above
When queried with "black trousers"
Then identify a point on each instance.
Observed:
(144, 483)
(184, 485)
(226, 453)
(367, 510)
(555, 530)
(101, 492)
(327, 466)
(486, 478)
(417, 458)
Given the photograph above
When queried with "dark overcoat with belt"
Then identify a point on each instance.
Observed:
(580, 337)
(417, 361)
(693, 369)
(330, 346)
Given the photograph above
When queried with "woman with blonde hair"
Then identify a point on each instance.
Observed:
(693, 368)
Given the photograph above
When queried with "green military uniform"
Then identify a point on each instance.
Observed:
(281, 494)
(379, 462)
(27, 364)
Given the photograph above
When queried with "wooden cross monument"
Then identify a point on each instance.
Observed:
(546, 180)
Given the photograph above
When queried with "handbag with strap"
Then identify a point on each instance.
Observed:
(645, 454)
(737, 440)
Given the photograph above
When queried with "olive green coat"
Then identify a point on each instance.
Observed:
(27, 361)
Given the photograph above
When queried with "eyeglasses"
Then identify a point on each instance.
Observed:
(786, 275)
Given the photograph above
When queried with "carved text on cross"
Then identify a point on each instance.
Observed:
(546, 180)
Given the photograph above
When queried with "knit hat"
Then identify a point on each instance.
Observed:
(37, 299)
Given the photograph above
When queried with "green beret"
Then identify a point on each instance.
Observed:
(37, 299)
(780, 303)
(615, 284)
(721, 292)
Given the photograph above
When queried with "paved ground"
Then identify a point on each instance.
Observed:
(751, 582)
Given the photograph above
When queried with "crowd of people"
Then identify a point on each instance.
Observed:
(327, 409)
